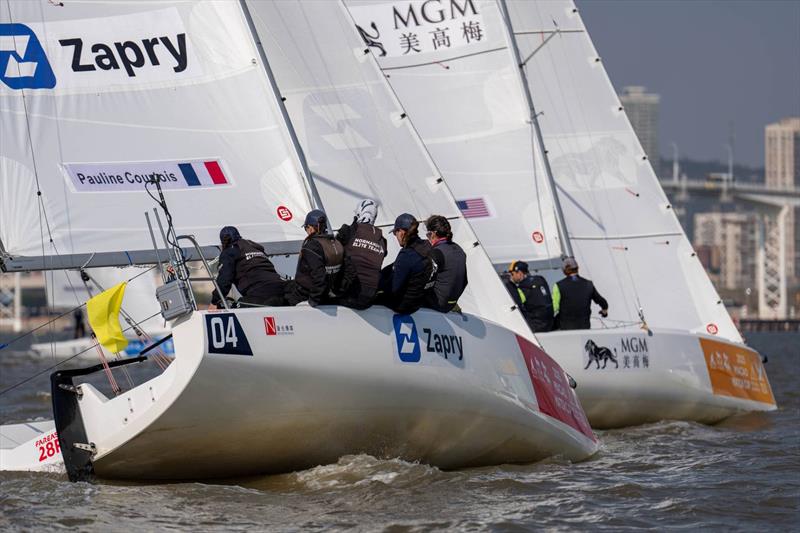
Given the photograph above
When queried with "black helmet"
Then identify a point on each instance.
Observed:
(316, 218)
(228, 235)
(403, 221)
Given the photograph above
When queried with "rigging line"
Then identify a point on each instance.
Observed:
(427, 63)
(26, 380)
(582, 114)
(509, 302)
(39, 203)
(380, 77)
(611, 210)
(62, 315)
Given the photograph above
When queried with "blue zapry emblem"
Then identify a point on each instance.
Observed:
(23, 63)
(405, 333)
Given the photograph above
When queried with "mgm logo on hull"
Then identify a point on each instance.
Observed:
(626, 353)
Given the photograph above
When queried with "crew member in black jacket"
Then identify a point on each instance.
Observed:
(451, 266)
(532, 296)
(364, 247)
(405, 282)
(245, 264)
(322, 272)
(573, 297)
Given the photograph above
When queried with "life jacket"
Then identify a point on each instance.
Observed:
(254, 271)
(332, 257)
(366, 248)
(575, 306)
(537, 303)
(418, 284)
(451, 275)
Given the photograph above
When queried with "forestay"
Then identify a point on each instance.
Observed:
(356, 139)
(97, 97)
(451, 65)
(621, 225)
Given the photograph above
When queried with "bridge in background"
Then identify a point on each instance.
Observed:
(772, 205)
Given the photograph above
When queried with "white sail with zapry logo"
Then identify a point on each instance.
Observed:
(439, 57)
(300, 386)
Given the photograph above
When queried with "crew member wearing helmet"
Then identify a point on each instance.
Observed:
(322, 272)
(365, 247)
(245, 264)
(451, 265)
(532, 296)
(405, 282)
(573, 297)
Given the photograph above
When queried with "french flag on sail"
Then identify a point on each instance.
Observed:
(203, 173)
(473, 208)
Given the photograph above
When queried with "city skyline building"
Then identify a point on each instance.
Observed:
(642, 109)
(782, 169)
(726, 244)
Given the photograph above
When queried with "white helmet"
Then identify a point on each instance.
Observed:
(366, 212)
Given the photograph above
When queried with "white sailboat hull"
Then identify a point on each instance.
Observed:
(665, 375)
(326, 382)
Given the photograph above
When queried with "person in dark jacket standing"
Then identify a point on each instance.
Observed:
(573, 297)
(245, 264)
(532, 296)
(322, 272)
(405, 282)
(365, 247)
(451, 265)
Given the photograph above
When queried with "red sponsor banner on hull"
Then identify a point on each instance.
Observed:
(553, 393)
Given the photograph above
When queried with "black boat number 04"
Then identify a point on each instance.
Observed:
(226, 335)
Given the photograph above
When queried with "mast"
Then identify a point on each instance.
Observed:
(534, 118)
(311, 188)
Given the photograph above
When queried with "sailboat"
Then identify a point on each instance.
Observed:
(254, 390)
(66, 290)
(516, 108)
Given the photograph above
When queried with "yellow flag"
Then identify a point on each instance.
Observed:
(103, 311)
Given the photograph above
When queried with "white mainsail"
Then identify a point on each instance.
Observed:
(97, 97)
(357, 142)
(621, 225)
(451, 65)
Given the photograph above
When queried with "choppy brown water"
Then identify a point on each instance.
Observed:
(743, 474)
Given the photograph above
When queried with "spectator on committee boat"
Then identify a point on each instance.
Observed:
(573, 297)
(323, 271)
(532, 296)
(404, 283)
(451, 266)
(245, 264)
(365, 247)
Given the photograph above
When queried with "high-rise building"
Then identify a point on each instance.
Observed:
(725, 244)
(642, 110)
(782, 165)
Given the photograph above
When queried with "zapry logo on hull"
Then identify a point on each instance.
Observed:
(407, 337)
(101, 53)
(418, 27)
(185, 174)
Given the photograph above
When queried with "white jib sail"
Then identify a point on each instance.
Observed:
(356, 140)
(452, 67)
(97, 97)
(622, 227)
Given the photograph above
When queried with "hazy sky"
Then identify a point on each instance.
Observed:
(712, 62)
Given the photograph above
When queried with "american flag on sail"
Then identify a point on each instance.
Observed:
(473, 208)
